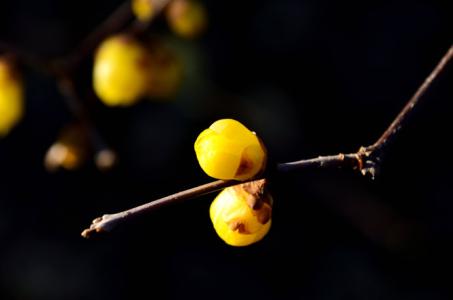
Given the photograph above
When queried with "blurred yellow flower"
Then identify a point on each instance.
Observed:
(11, 96)
(187, 18)
(121, 71)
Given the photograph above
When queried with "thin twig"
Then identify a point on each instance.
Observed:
(365, 160)
(108, 222)
(74, 103)
(339, 160)
(391, 132)
(113, 23)
(66, 65)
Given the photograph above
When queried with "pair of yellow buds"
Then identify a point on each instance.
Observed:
(227, 150)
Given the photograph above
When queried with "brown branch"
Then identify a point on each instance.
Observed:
(104, 156)
(391, 132)
(365, 160)
(340, 160)
(113, 23)
(64, 66)
(108, 222)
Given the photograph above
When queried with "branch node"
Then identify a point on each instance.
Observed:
(367, 161)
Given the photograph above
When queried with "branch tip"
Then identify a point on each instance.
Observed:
(98, 225)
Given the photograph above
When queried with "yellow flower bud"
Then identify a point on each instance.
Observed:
(228, 150)
(241, 214)
(143, 10)
(11, 96)
(187, 18)
(121, 71)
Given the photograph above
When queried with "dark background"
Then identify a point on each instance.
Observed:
(311, 78)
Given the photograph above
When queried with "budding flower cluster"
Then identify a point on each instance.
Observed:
(227, 150)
